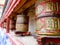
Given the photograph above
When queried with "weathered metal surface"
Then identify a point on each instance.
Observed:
(48, 26)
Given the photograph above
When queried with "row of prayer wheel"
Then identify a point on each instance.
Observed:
(47, 18)
(19, 24)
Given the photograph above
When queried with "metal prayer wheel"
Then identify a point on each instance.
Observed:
(12, 24)
(22, 23)
(48, 26)
(4, 24)
(48, 20)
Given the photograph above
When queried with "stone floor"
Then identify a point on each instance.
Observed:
(25, 40)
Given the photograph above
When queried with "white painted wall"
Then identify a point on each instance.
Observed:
(2, 1)
(32, 24)
(32, 21)
(1, 9)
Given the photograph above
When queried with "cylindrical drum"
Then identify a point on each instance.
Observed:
(5, 25)
(22, 23)
(46, 7)
(12, 24)
(48, 26)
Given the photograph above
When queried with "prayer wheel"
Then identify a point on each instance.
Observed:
(47, 18)
(4, 24)
(22, 23)
(12, 24)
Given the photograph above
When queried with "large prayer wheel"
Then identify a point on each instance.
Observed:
(47, 17)
(22, 23)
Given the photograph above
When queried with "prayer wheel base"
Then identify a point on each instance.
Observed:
(22, 33)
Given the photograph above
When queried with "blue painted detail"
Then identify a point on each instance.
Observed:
(4, 39)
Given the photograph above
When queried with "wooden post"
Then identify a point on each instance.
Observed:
(1, 25)
(7, 27)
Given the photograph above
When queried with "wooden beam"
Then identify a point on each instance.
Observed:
(26, 5)
(5, 12)
(13, 15)
(19, 5)
(8, 25)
